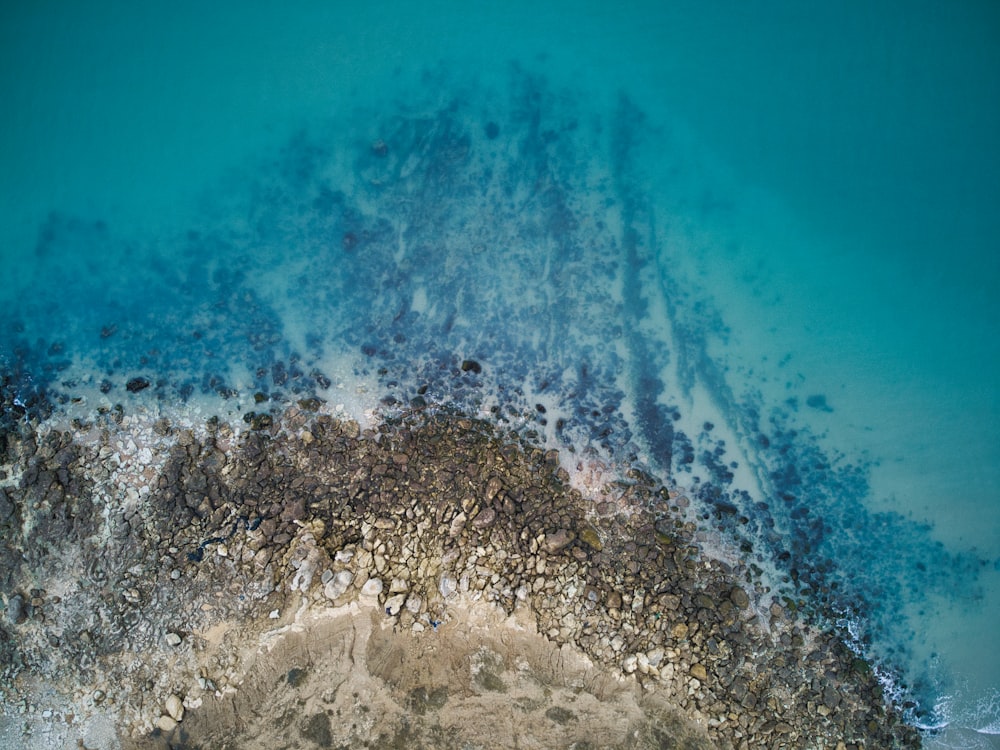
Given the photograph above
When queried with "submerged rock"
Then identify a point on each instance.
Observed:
(16, 610)
(137, 384)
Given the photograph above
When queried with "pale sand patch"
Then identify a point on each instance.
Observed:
(345, 677)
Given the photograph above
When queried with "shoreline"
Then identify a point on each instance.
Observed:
(194, 544)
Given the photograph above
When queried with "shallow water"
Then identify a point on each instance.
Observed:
(755, 251)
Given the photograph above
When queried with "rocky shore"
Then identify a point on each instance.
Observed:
(296, 581)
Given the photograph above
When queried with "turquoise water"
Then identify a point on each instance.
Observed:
(697, 236)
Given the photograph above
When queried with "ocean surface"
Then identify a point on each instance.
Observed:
(752, 247)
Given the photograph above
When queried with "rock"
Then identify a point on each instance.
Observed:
(560, 715)
(15, 610)
(558, 541)
(470, 365)
(831, 699)
(165, 724)
(6, 507)
(699, 672)
(630, 664)
(642, 662)
(394, 604)
(638, 601)
(173, 640)
(447, 585)
(663, 532)
(679, 631)
(739, 597)
(136, 384)
(175, 708)
(614, 600)
(493, 487)
(739, 688)
(589, 536)
(485, 518)
(372, 587)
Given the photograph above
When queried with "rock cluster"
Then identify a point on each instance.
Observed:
(121, 539)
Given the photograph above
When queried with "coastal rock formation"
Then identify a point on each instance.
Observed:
(431, 581)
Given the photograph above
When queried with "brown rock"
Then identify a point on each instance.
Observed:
(589, 536)
(485, 518)
(558, 541)
(739, 597)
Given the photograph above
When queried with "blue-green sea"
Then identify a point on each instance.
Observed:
(753, 247)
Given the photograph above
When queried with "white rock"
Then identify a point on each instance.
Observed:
(302, 579)
(395, 603)
(274, 614)
(344, 556)
(372, 587)
(175, 708)
(339, 584)
(655, 656)
(173, 640)
(165, 724)
(642, 662)
(447, 586)
(630, 664)
(413, 604)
